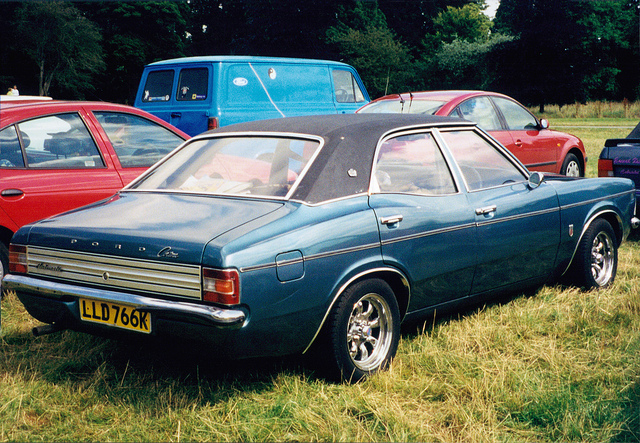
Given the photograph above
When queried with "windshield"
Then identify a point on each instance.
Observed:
(235, 165)
(407, 106)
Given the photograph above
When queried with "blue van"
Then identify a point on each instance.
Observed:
(196, 94)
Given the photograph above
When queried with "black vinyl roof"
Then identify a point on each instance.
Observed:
(343, 166)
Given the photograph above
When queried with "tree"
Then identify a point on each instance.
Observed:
(365, 41)
(134, 34)
(62, 43)
(467, 23)
(545, 62)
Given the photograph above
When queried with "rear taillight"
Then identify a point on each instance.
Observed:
(221, 286)
(212, 123)
(18, 259)
(605, 167)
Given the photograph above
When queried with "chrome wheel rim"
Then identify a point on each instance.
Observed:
(602, 259)
(369, 332)
(573, 169)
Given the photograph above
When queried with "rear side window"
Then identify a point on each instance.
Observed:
(346, 87)
(158, 86)
(518, 118)
(280, 83)
(10, 152)
(412, 164)
(136, 140)
(59, 142)
(481, 163)
(481, 111)
(193, 84)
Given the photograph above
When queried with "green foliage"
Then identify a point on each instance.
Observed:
(382, 61)
(62, 43)
(467, 23)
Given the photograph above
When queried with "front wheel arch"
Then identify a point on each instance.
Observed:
(573, 157)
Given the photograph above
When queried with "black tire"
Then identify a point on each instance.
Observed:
(596, 260)
(4, 262)
(571, 166)
(364, 330)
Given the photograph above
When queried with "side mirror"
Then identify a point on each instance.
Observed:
(535, 179)
(544, 123)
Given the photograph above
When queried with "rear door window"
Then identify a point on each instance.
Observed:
(158, 86)
(193, 84)
(59, 141)
(346, 87)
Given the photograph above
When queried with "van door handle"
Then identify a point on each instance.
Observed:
(12, 192)
(176, 114)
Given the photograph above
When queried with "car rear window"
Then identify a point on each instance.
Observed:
(250, 166)
(158, 86)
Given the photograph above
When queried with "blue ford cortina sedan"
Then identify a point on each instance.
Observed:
(317, 234)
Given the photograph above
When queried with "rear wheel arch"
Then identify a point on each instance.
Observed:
(396, 280)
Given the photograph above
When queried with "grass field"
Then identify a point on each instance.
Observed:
(556, 364)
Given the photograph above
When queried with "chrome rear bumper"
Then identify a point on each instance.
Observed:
(202, 314)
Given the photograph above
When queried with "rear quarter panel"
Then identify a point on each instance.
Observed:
(288, 300)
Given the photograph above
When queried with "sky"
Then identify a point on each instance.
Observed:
(492, 6)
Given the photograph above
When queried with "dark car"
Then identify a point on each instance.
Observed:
(529, 139)
(57, 155)
(317, 234)
(620, 157)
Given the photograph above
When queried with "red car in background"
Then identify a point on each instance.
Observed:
(529, 139)
(59, 155)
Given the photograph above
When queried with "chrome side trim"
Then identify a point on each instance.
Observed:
(211, 315)
(594, 200)
(148, 276)
(429, 233)
(518, 216)
(312, 257)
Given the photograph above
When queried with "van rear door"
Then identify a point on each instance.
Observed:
(180, 96)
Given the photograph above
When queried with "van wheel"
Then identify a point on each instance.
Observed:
(596, 259)
(364, 330)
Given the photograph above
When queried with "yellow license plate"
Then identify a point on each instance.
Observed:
(115, 314)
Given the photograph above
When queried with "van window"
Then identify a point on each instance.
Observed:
(346, 87)
(158, 86)
(279, 83)
(193, 84)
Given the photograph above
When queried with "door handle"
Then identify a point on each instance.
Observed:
(176, 114)
(391, 220)
(11, 192)
(518, 143)
(486, 210)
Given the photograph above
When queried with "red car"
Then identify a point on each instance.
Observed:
(528, 138)
(56, 156)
